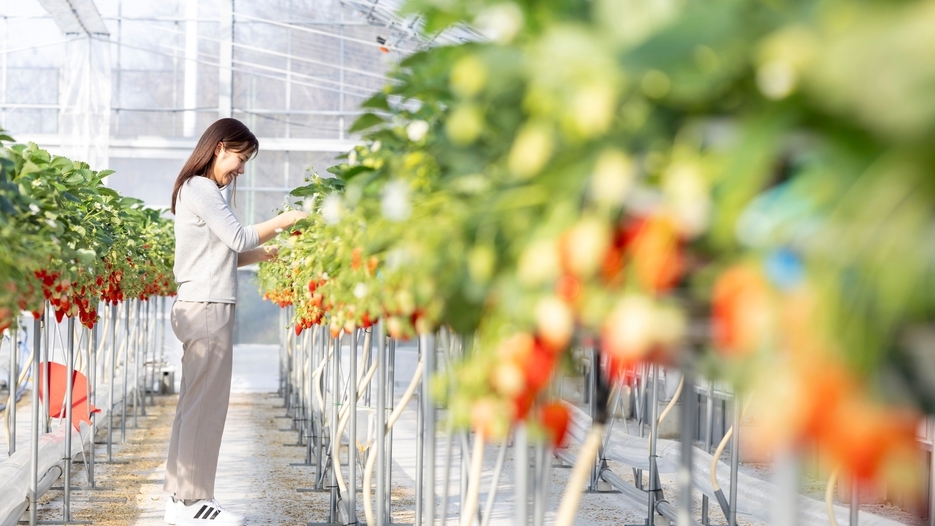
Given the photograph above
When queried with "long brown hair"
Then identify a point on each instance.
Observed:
(231, 133)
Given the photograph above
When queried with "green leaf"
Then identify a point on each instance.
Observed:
(85, 256)
(107, 192)
(6, 206)
(350, 173)
(304, 191)
(75, 178)
(367, 120)
(377, 102)
(30, 167)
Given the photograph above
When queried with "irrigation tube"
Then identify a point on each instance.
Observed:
(579, 475)
(371, 458)
(477, 461)
(498, 467)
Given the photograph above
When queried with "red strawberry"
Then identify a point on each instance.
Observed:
(741, 311)
(555, 419)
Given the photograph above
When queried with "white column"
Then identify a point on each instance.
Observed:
(225, 61)
(190, 97)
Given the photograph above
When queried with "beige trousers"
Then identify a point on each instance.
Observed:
(206, 331)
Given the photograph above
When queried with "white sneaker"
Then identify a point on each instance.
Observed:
(170, 511)
(207, 512)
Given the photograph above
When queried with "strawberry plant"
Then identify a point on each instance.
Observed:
(73, 242)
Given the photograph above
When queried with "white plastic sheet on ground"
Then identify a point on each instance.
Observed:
(754, 496)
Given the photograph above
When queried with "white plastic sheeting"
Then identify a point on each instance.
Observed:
(755, 497)
(84, 118)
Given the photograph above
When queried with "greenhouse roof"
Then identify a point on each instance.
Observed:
(295, 71)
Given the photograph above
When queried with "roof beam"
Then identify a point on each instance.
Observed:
(76, 17)
(164, 148)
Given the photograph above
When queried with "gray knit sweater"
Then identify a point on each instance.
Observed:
(208, 239)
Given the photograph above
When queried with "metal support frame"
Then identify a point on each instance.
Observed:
(13, 385)
(380, 439)
(427, 342)
(734, 460)
(38, 328)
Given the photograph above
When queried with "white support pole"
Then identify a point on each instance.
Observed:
(3, 70)
(225, 60)
(190, 98)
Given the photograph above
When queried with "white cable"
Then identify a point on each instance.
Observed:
(372, 457)
(345, 415)
(316, 382)
(829, 495)
(665, 412)
(316, 31)
(238, 69)
(477, 461)
(720, 448)
(295, 57)
(498, 467)
(579, 474)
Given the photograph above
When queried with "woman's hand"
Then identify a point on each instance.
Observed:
(295, 215)
(268, 229)
(256, 255)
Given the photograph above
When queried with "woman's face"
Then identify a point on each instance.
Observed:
(228, 164)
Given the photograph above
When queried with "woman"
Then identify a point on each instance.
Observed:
(210, 243)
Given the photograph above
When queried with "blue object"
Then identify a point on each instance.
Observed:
(784, 268)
